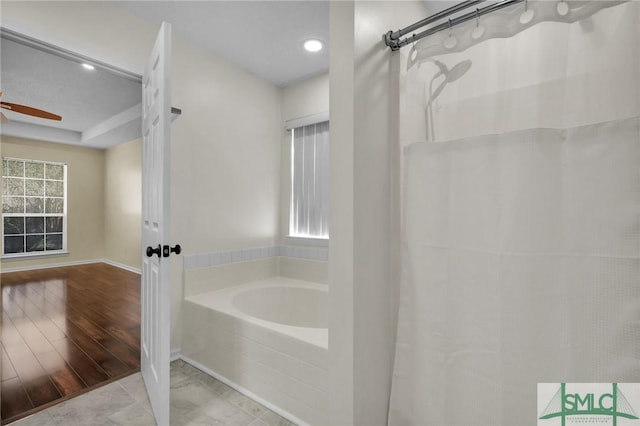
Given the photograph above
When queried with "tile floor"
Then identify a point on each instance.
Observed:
(196, 399)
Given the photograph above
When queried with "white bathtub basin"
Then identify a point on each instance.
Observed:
(291, 307)
(266, 338)
(294, 306)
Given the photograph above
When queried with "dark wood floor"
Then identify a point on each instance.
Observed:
(66, 331)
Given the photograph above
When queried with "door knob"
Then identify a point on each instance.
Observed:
(152, 251)
(166, 250)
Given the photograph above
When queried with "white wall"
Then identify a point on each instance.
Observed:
(123, 204)
(226, 154)
(364, 143)
(341, 258)
(305, 98)
(225, 146)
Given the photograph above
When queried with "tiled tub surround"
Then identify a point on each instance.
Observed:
(261, 353)
(205, 260)
(282, 365)
(215, 277)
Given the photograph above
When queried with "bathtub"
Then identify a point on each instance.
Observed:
(268, 339)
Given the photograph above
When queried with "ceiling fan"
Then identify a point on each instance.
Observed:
(23, 109)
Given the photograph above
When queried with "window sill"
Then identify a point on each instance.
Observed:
(307, 241)
(22, 256)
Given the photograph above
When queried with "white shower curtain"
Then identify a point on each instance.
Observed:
(521, 224)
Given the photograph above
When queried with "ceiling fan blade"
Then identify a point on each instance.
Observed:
(23, 109)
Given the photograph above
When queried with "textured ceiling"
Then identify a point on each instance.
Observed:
(262, 37)
(46, 81)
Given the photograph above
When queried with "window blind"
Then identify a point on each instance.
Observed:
(309, 215)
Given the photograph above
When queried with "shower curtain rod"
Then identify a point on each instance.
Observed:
(393, 38)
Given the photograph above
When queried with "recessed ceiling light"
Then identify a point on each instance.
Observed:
(313, 45)
(88, 67)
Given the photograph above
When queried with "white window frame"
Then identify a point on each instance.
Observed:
(290, 237)
(43, 253)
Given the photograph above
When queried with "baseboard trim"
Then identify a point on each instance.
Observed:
(175, 354)
(287, 415)
(74, 263)
(122, 266)
(51, 265)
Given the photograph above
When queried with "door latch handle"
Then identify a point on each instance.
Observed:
(152, 251)
(166, 250)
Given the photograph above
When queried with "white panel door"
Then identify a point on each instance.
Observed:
(156, 307)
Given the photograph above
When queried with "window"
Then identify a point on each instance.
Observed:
(309, 213)
(33, 207)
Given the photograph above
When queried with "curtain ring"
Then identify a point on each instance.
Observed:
(562, 8)
(527, 16)
(478, 31)
(450, 42)
(414, 53)
(413, 47)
